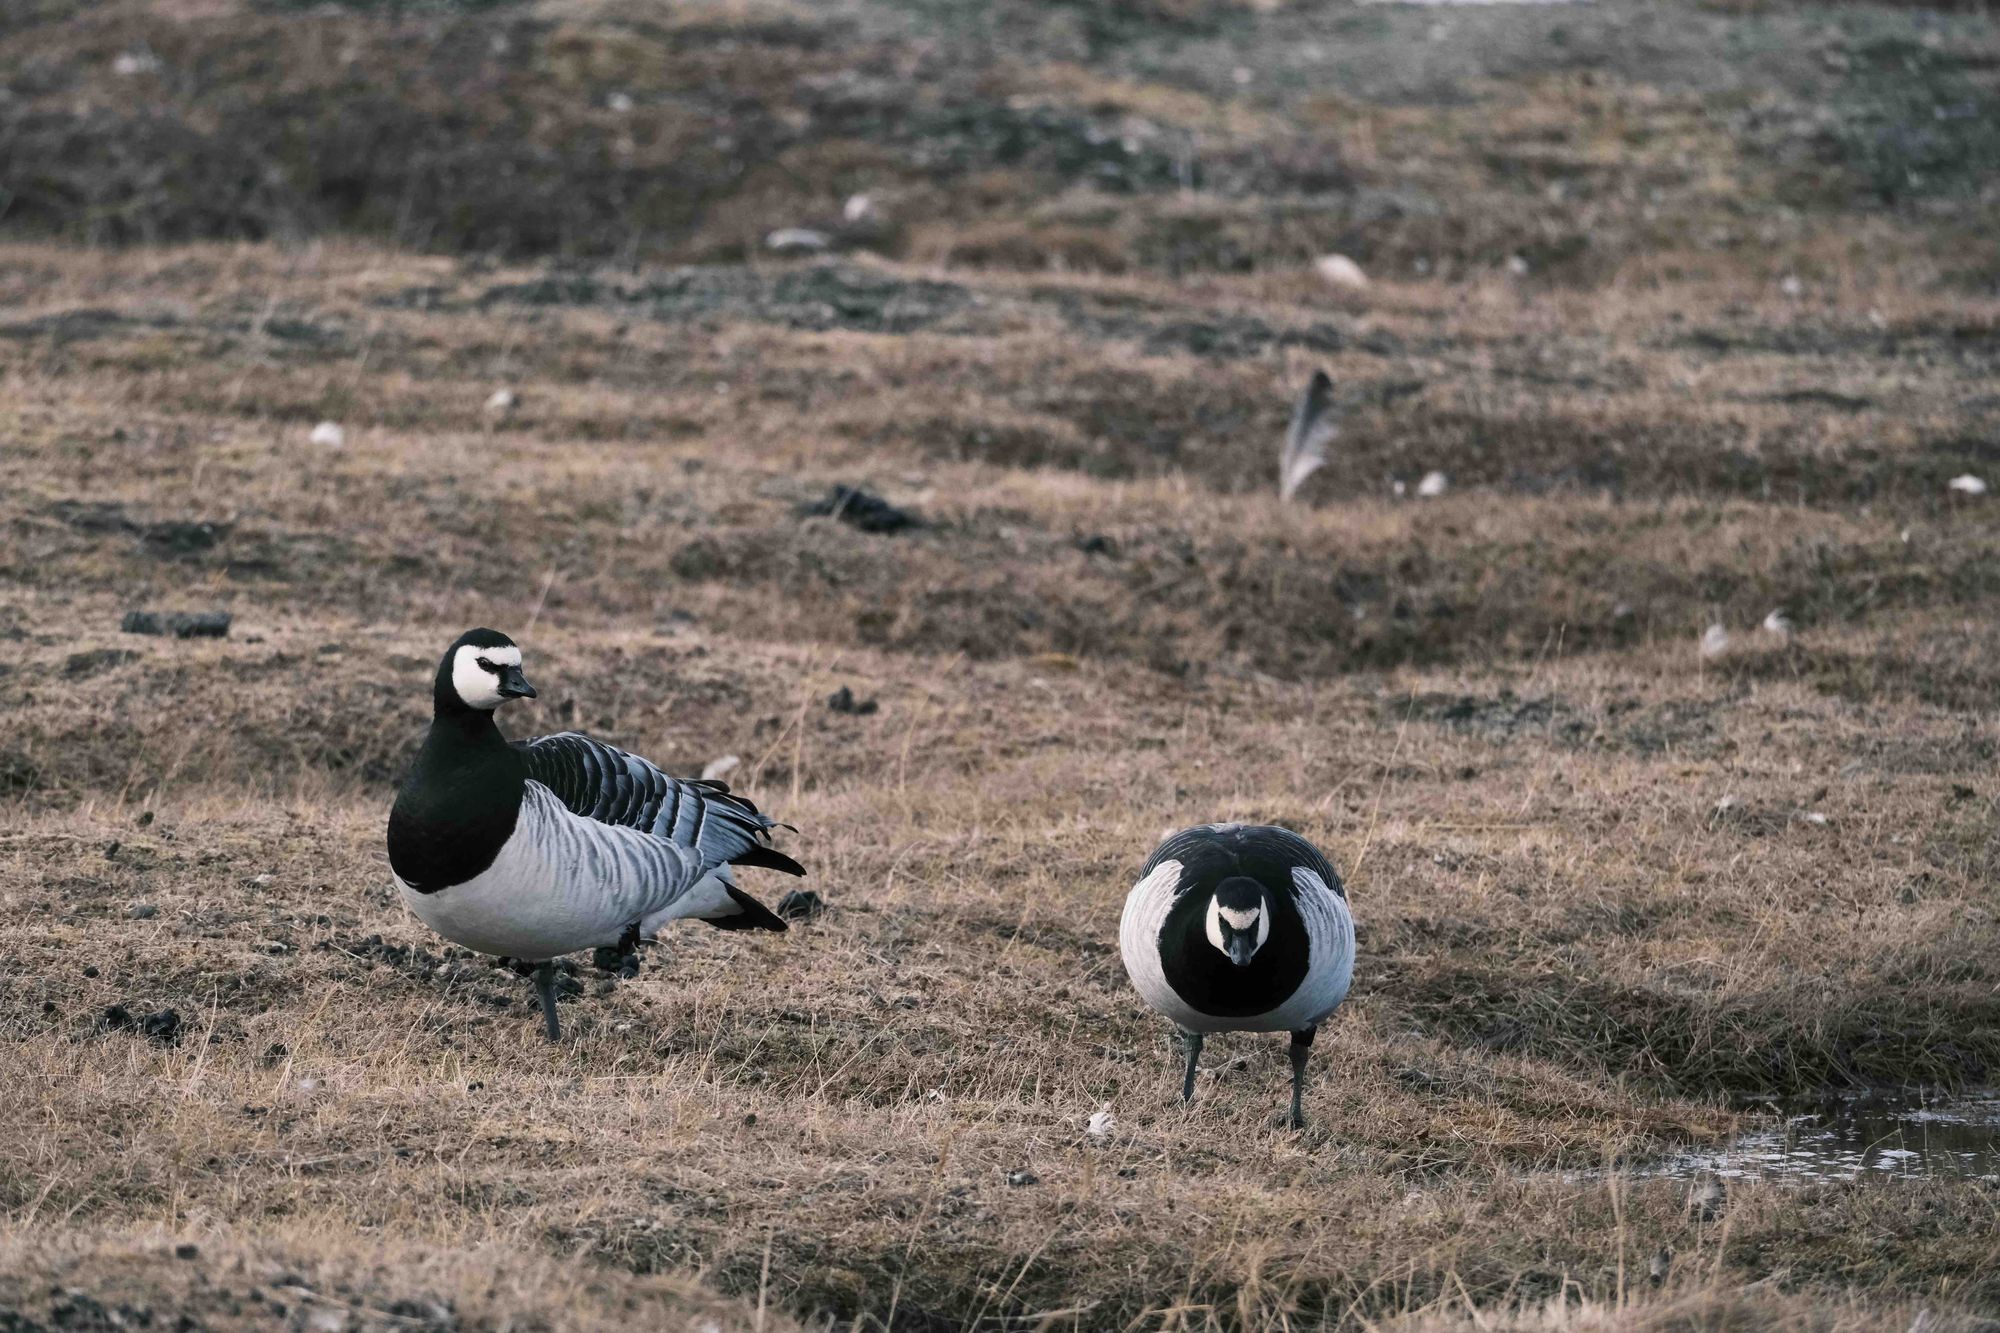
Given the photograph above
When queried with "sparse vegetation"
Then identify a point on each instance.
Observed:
(1752, 335)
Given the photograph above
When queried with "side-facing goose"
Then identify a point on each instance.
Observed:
(543, 847)
(1240, 928)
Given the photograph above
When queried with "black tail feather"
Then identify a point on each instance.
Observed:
(754, 916)
(769, 858)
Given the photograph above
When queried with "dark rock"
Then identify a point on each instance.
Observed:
(80, 665)
(186, 1251)
(1097, 544)
(842, 700)
(176, 539)
(801, 905)
(861, 509)
(163, 1027)
(179, 624)
(143, 912)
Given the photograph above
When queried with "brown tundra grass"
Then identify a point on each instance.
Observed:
(1613, 895)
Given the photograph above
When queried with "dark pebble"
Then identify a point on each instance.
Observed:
(143, 912)
(187, 1251)
(861, 509)
(801, 905)
(178, 624)
(842, 700)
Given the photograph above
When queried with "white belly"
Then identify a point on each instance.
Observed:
(561, 883)
(516, 908)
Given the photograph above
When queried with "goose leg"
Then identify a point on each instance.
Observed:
(1191, 1042)
(1301, 1047)
(545, 986)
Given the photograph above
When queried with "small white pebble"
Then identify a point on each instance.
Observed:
(793, 240)
(130, 63)
(619, 102)
(1814, 817)
(858, 208)
(1714, 641)
(1340, 271)
(1727, 803)
(1433, 485)
(1517, 265)
(503, 401)
(1778, 623)
(1791, 286)
(1967, 484)
(329, 434)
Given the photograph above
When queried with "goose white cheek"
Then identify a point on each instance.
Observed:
(1241, 921)
(476, 685)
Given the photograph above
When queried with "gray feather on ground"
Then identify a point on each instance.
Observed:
(1313, 428)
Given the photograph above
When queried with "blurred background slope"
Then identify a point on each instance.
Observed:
(1172, 136)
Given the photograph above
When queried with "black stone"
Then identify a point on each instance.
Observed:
(801, 905)
(861, 509)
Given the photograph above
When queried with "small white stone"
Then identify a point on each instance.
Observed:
(329, 434)
(1433, 485)
(1727, 803)
(1813, 817)
(791, 240)
(1791, 286)
(1967, 484)
(1340, 271)
(1778, 623)
(1517, 265)
(1714, 641)
(130, 63)
(619, 102)
(858, 208)
(720, 768)
(503, 401)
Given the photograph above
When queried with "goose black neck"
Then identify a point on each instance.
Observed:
(459, 803)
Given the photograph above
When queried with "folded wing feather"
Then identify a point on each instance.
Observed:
(612, 786)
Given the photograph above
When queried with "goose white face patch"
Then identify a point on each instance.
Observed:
(476, 685)
(1239, 921)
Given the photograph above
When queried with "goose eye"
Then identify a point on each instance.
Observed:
(487, 665)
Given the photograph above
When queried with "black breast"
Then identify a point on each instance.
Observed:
(1202, 974)
(457, 807)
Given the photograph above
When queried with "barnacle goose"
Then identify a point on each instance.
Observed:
(1240, 928)
(543, 847)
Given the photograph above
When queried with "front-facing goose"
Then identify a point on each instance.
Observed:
(543, 847)
(1240, 928)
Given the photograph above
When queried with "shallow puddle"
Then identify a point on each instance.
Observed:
(1906, 1136)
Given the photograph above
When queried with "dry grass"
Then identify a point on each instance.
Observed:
(1489, 708)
